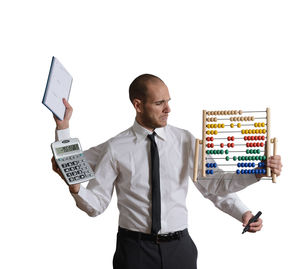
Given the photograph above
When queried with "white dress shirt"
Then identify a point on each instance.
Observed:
(123, 162)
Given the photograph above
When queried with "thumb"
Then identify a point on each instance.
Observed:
(246, 217)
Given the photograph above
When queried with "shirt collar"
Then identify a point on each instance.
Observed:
(141, 132)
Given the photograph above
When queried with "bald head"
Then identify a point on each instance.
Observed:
(138, 87)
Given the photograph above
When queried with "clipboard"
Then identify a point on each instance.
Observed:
(58, 86)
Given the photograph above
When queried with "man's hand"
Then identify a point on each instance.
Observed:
(254, 226)
(73, 188)
(63, 124)
(274, 162)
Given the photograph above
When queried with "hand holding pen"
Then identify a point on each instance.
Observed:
(252, 223)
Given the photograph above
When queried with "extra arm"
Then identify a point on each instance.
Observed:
(95, 198)
(220, 183)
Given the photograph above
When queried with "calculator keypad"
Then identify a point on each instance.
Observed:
(75, 168)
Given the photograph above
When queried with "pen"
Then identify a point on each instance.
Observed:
(253, 219)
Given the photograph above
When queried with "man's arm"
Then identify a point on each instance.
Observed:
(220, 191)
(222, 183)
(233, 206)
(63, 125)
(95, 198)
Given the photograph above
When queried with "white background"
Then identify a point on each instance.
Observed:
(211, 54)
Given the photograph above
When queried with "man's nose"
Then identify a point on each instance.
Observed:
(167, 109)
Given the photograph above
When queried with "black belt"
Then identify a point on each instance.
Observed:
(153, 237)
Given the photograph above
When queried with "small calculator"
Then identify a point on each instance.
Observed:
(71, 161)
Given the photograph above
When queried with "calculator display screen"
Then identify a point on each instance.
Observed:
(66, 149)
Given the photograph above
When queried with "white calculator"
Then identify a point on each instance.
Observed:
(71, 161)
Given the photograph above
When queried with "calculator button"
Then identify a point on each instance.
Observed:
(67, 169)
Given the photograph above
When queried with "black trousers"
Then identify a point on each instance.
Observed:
(136, 253)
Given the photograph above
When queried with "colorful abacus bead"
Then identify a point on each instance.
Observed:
(211, 165)
(261, 164)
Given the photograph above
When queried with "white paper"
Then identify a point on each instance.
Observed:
(58, 87)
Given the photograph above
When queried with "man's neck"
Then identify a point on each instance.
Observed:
(144, 126)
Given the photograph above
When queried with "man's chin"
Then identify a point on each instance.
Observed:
(162, 124)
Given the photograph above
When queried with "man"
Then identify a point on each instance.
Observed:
(149, 165)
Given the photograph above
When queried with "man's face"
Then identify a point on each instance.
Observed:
(155, 109)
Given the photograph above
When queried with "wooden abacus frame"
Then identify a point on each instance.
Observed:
(231, 112)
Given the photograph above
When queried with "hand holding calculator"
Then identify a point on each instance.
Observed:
(71, 161)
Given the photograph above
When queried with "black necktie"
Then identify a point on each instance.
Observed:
(155, 186)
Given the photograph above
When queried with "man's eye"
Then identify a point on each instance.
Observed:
(159, 103)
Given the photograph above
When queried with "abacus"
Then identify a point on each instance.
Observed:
(236, 141)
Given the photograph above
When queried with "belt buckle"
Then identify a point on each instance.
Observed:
(167, 237)
(157, 238)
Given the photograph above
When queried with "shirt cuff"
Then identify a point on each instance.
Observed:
(79, 193)
(82, 201)
(238, 210)
(62, 134)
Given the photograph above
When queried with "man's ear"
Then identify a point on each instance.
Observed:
(137, 103)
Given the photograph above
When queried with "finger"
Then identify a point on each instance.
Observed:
(276, 168)
(53, 163)
(69, 110)
(276, 172)
(55, 167)
(256, 226)
(67, 104)
(246, 220)
(256, 223)
(255, 229)
(274, 162)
